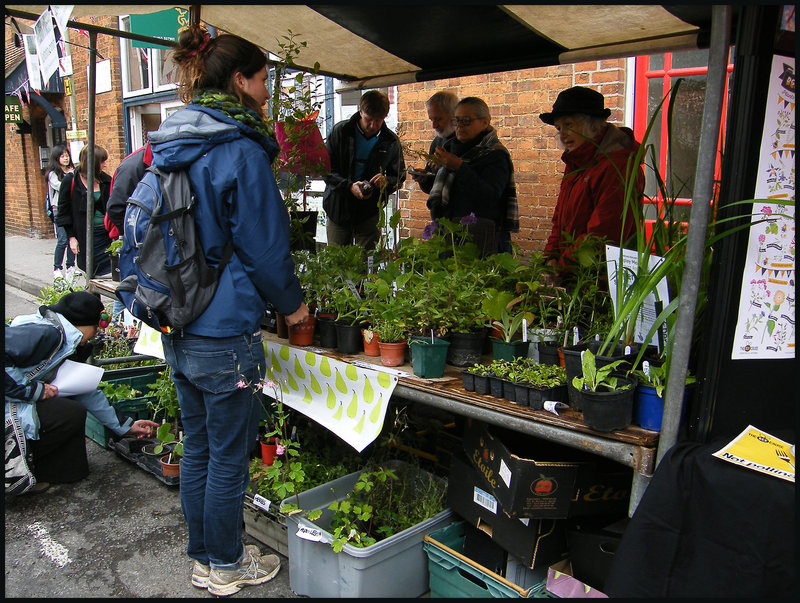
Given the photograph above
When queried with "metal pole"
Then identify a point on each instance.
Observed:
(698, 226)
(90, 175)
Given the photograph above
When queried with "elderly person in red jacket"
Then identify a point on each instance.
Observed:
(596, 157)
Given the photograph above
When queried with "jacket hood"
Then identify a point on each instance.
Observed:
(189, 133)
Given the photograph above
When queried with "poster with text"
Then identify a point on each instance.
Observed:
(766, 319)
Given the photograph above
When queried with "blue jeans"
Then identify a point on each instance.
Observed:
(62, 244)
(220, 423)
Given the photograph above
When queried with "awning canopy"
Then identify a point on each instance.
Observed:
(378, 45)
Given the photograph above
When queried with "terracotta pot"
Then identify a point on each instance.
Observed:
(393, 354)
(302, 334)
(169, 469)
(268, 451)
(371, 347)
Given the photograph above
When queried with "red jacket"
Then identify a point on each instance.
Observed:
(592, 194)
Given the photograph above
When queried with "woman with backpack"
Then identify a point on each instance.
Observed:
(217, 361)
(60, 165)
(72, 214)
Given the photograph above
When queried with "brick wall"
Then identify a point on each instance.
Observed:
(25, 186)
(515, 99)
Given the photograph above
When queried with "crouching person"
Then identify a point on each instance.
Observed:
(45, 440)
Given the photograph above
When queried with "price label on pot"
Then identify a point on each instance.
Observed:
(307, 533)
(261, 502)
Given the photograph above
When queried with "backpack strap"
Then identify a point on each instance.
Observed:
(51, 317)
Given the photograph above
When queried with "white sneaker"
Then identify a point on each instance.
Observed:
(70, 274)
(57, 274)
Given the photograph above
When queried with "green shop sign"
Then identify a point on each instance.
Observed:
(13, 110)
(164, 24)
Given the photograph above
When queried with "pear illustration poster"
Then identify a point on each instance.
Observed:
(766, 320)
(348, 400)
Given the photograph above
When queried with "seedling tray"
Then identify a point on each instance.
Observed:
(131, 449)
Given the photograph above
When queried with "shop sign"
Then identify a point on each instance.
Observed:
(164, 24)
(13, 110)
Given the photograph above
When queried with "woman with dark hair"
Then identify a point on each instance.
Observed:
(72, 213)
(222, 138)
(59, 165)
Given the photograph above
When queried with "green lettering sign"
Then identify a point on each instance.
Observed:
(13, 110)
(164, 24)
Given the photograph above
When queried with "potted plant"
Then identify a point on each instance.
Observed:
(113, 250)
(476, 378)
(429, 356)
(166, 406)
(544, 382)
(607, 398)
(648, 403)
(170, 462)
(392, 340)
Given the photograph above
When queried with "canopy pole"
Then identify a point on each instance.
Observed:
(698, 226)
(90, 175)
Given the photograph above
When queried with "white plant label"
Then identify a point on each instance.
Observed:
(307, 533)
(261, 502)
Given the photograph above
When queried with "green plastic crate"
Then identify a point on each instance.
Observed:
(457, 576)
(135, 408)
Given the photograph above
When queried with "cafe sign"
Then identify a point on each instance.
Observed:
(13, 110)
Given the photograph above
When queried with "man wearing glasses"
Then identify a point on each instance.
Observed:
(476, 176)
(366, 167)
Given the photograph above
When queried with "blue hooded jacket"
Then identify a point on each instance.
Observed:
(238, 200)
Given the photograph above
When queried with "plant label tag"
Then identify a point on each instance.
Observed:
(484, 499)
(307, 533)
(353, 289)
(505, 473)
(261, 502)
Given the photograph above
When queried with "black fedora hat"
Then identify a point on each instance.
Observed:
(577, 100)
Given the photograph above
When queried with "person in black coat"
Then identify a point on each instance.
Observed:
(72, 212)
(366, 167)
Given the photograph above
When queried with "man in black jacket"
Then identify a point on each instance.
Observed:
(366, 167)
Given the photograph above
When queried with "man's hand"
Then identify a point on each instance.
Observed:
(50, 391)
(143, 428)
(73, 245)
(298, 315)
(448, 159)
(355, 189)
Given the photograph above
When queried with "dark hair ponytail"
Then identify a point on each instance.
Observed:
(54, 165)
(210, 63)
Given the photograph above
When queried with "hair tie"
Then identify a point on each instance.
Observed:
(200, 48)
(105, 320)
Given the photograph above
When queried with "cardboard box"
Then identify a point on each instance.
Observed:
(563, 585)
(535, 542)
(519, 473)
(592, 546)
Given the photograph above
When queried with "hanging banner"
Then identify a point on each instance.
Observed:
(32, 62)
(61, 13)
(766, 320)
(348, 400)
(46, 49)
(164, 24)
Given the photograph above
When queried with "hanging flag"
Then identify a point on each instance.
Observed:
(46, 50)
(31, 60)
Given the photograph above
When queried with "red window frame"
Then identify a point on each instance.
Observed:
(643, 75)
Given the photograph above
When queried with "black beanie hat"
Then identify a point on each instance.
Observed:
(81, 308)
(577, 100)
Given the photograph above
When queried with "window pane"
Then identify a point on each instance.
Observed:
(656, 61)
(138, 76)
(654, 95)
(689, 58)
(167, 69)
(687, 121)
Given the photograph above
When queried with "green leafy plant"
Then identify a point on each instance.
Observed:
(480, 370)
(656, 377)
(115, 247)
(166, 405)
(116, 392)
(166, 435)
(383, 503)
(60, 287)
(595, 378)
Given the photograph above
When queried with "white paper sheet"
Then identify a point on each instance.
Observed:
(75, 378)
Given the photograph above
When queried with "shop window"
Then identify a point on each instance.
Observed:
(144, 70)
(656, 76)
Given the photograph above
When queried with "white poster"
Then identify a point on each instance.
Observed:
(348, 400)
(102, 76)
(655, 302)
(32, 62)
(766, 319)
(46, 45)
(62, 14)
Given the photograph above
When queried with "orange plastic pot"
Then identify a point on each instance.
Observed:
(393, 354)
(302, 334)
(169, 469)
(371, 347)
(269, 451)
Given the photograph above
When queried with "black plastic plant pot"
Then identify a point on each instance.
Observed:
(496, 386)
(466, 348)
(482, 386)
(469, 381)
(521, 394)
(608, 411)
(350, 340)
(326, 327)
(538, 396)
(509, 393)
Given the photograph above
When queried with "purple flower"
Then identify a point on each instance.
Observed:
(470, 219)
(429, 231)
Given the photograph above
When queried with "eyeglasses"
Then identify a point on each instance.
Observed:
(463, 121)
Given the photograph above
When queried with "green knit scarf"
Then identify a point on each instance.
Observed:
(230, 106)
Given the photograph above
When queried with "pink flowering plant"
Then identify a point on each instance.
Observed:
(286, 475)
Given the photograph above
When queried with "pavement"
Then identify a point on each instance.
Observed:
(120, 532)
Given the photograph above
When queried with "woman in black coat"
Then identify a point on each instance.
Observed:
(72, 212)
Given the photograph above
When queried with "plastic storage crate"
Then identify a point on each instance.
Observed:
(394, 567)
(135, 408)
(453, 575)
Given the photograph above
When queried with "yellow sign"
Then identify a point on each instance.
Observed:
(67, 86)
(76, 134)
(757, 450)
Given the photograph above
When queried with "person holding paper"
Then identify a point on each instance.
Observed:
(37, 345)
